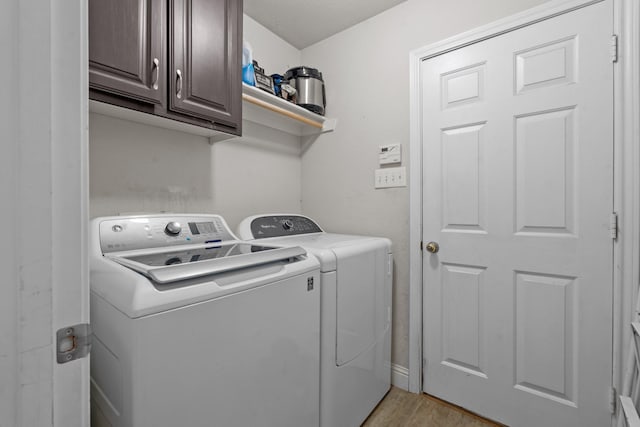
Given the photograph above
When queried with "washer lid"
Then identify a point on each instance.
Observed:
(164, 266)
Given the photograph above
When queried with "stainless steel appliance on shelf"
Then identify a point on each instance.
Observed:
(310, 86)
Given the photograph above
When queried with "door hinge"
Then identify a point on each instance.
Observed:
(73, 342)
(613, 399)
(614, 48)
(613, 226)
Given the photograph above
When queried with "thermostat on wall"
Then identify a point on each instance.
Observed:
(390, 154)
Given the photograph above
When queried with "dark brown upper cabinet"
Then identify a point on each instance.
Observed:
(180, 59)
(204, 59)
(127, 48)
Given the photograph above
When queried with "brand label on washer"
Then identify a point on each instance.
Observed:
(309, 283)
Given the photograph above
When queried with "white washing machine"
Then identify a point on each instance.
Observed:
(195, 328)
(355, 283)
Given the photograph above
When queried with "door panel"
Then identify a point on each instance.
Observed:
(545, 157)
(205, 15)
(518, 177)
(205, 60)
(462, 307)
(126, 48)
(463, 178)
(550, 64)
(545, 356)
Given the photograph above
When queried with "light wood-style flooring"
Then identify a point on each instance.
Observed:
(402, 409)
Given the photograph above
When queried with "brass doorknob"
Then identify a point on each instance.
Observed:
(433, 247)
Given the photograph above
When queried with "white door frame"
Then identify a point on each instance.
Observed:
(69, 142)
(626, 163)
(44, 197)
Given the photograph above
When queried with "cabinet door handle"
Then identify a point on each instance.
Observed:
(179, 84)
(155, 73)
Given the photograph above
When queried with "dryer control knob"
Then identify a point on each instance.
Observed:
(287, 224)
(173, 228)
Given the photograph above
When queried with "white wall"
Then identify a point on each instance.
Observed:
(366, 71)
(8, 215)
(140, 168)
(272, 53)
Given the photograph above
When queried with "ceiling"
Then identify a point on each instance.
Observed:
(305, 22)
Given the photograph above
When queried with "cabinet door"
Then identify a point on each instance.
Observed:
(127, 48)
(205, 62)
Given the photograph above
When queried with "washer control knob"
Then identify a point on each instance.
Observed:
(287, 224)
(173, 228)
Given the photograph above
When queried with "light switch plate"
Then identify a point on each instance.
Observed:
(390, 154)
(391, 177)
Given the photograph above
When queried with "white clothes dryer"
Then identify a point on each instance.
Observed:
(195, 328)
(355, 284)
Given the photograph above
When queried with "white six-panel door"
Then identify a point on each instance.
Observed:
(518, 192)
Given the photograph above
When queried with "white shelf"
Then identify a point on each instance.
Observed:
(258, 107)
(272, 111)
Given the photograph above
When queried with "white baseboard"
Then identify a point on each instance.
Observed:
(400, 376)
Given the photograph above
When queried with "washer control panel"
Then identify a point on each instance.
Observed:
(282, 225)
(145, 232)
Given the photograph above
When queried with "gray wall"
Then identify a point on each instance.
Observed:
(366, 71)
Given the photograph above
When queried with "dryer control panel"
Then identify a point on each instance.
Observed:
(282, 225)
